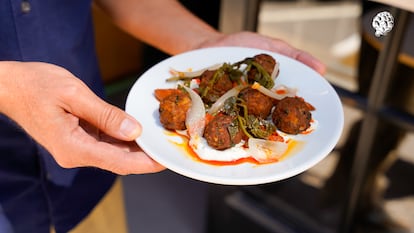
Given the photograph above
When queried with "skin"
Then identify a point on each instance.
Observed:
(55, 106)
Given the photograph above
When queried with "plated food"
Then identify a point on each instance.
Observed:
(234, 110)
(169, 148)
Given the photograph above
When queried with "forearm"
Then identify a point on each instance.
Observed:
(165, 24)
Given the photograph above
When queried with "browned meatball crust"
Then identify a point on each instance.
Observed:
(210, 89)
(222, 132)
(266, 61)
(173, 110)
(258, 104)
(292, 115)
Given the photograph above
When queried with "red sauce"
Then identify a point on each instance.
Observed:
(281, 92)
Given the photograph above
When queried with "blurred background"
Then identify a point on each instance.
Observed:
(362, 186)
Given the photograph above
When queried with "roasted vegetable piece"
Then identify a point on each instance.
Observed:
(162, 93)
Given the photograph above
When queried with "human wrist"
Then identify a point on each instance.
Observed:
(5, 67)
(8, 84)
(207, 40)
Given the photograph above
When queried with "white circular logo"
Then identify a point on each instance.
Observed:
(383, 23)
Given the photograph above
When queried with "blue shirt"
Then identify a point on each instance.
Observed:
(35, 192)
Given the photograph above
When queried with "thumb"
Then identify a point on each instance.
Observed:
(116, 123)
(113, 121)
(106, 117)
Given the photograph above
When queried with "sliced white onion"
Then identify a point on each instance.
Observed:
(287, 92)
(275, 71)
(220, 102)
(192, 74)
(195, 119)
(265, 151)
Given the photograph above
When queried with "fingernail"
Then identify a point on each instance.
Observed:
(129, 128)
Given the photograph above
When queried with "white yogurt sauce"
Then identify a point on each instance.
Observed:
(204, 151)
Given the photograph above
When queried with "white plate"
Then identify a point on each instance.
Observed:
(154, 140)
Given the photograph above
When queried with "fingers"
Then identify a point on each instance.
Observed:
(84, 104)
(120, 161)
(115, 155)
(104, 152)
(301, 56)
(250, 39)
(58, 110)
(125, 163)
(107, 153)
(310, 61)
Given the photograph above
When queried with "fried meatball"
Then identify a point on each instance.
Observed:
(292, 115)
(173, 110)
(222, 132)
(258, 104)
(211, 87)
(266, 61)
